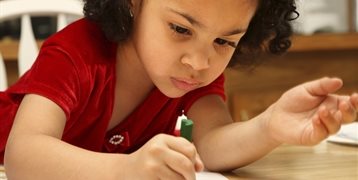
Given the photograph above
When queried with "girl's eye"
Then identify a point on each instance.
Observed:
(179, 29)
(220, 41)
(223, 42)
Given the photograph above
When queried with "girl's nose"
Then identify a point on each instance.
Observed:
(197, 59)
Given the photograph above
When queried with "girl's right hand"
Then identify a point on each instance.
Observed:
(164, 157)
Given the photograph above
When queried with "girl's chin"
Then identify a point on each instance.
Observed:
(174, 93)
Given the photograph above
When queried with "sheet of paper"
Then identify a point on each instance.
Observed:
(2, 173)
(205, 175)
(2, 176)
(348, 134)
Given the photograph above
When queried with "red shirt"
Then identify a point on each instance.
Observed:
(76, 70)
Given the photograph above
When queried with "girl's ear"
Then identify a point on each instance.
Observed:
(131, 3)
(135, 6)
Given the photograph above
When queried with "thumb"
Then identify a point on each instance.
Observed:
(199, 165)
(323, 86)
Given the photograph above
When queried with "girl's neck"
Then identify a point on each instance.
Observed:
(133, 85)
(129, 68)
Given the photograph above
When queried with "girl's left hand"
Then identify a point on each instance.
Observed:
(309, 113)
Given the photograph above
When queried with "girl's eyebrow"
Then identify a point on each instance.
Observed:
(188, 17)
(235, 31)
(195, 22)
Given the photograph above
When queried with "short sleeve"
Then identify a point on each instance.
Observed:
(55, 76)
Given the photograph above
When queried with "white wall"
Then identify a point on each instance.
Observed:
(322, 16)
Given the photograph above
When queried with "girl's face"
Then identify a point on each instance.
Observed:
(186, 44)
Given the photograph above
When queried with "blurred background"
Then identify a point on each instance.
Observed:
(325, 44)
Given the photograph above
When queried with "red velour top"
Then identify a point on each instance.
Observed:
(76, 70)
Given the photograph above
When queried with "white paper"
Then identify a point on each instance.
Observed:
(2, 172)
(2, 175)
(205, 175)
(348, 134)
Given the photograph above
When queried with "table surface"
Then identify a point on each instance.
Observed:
(324, 161)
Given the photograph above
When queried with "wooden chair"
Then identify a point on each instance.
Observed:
(25, 9)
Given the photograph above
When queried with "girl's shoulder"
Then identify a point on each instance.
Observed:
(84, 39)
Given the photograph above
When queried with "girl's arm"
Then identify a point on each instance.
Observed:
(222, 144)
(304, 115)
(34, 149)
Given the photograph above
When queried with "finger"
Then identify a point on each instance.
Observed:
(348, 113)
(323, 86)
(169, 173)
(320, 132)
(331, 123)
(180, 164)
(199, 166)
(185, 157)
(185, 147)
(354, 101)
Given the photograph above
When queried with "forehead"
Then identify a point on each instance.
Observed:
(213, 13)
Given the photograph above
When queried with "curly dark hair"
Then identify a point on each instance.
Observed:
(269, 30)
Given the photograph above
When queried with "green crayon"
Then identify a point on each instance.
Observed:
(186, 129)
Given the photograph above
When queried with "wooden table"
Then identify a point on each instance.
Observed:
(324, 161)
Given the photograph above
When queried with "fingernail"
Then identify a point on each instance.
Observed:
(199, 165)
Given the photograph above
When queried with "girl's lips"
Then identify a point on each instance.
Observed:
(185, 84)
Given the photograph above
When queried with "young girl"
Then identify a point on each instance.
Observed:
(102, 99)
